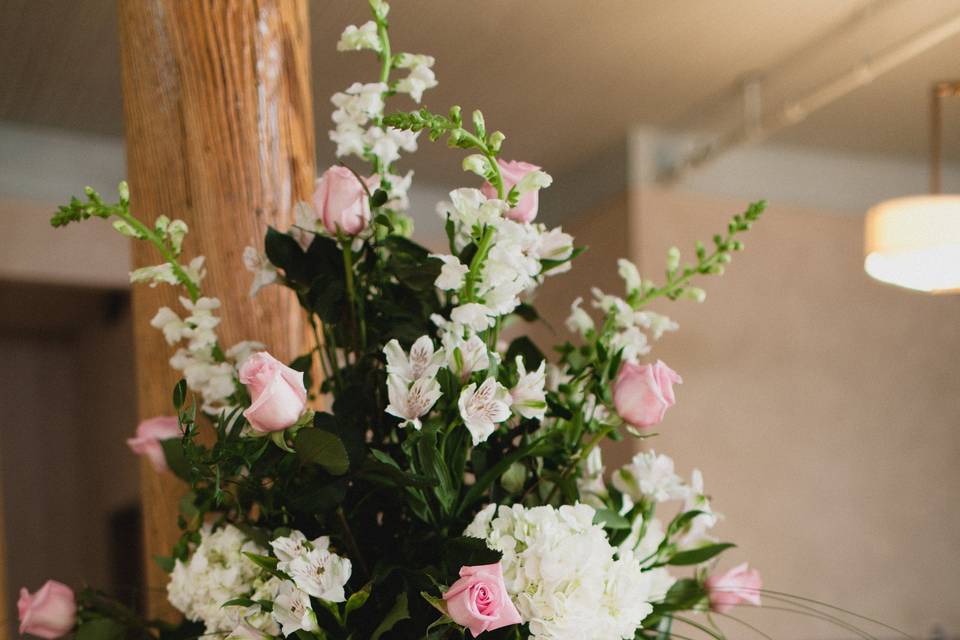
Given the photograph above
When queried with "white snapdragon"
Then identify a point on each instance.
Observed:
(356, 38)
(420, 76)
(421, 362)
(657, 324)
(533, 181)
(631, 276)
(217, 571)
(264, 273)
(469, 208)
(697, 532)
(554, 244)
(651, 476)
(632, 329)
(579, 321)
(563, 575)
(452, 273)
(528, 397)
(481, 408)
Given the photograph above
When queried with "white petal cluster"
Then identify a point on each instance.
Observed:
(356, 38)
(483, 407)
(216, 573)
(420, 76)
(633, 329)
(563, 575)
(264, 273)
(590, 485)
(314, 571)
(164, 274)
(513, 265)
(412, 387)
(528, 397)
(650, 475)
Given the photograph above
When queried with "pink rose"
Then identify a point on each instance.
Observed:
(512, 173)
(643, 393)
(49, 613)
(479, 600)
(276, 391)
(150, 433)
(739, 585)
(341, 201)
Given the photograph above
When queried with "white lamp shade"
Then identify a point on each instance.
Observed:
(914, 243)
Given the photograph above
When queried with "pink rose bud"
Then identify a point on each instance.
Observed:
(479, 600)
(150, 433)
(643, 393)
(49, 613)
(341, 201)
(739, 585)
(512, 173)
(276, 391)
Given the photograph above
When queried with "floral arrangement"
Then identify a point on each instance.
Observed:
(452, 484)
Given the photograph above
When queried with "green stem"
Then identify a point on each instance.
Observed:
(149, 234)
(351, 541)
(356, 305)
(385, 55)
(319, 346)
(483, 248)
(580, 456)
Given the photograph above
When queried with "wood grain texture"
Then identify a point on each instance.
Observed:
(219, 131)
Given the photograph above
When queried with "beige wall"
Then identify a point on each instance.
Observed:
(823, 410)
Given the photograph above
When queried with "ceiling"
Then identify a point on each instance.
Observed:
(564, 79)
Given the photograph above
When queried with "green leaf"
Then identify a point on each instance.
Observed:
(378, 199)
(611, 519)
(328, 298)
(285, 253)
(176, 458)
(179, 394)
(239, 602)
(398, 612)
(433, 463)
(681, 521)
(524, 346)
(465, 551)
(165, 563)
(100, 629)
(357, 600)
(699, 555)
(538, 447)
(315, 446)
(527, 312)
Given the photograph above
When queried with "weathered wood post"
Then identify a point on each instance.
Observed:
(219, 130)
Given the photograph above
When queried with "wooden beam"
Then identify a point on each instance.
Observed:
(219, 131)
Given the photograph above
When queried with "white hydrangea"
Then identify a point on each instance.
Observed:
(651, 476)
(216, 572)
(562, 574)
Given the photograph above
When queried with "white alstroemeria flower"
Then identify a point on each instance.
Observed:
(452, 272)
(650, 475)
(482, 408)
(423, 361)
(263, 271)
(319, 572)
(356, 38)
(528, 397)
(474, 315)
(656, 323)
(579, 321)
(631, 277)
(286, 548)
(411, 403)
(466, 356)
(293, 611)
(244, 631)
(170, 323)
